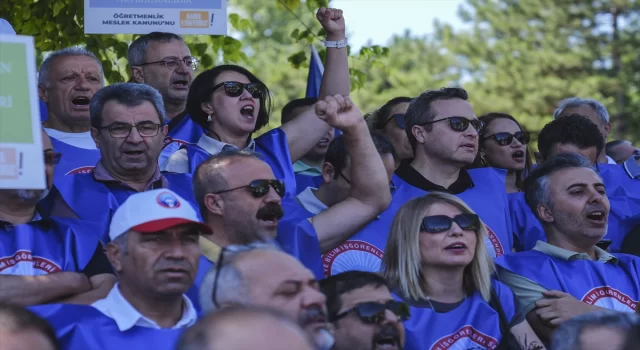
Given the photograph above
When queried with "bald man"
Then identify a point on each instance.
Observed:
(245, 328)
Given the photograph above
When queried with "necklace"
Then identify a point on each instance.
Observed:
(431, 304)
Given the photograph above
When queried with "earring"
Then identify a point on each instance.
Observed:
(483, 161)
(209, 118)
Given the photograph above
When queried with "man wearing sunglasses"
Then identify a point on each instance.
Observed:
(363, 312)
(48, 259)
(127, 125)
(164, 62)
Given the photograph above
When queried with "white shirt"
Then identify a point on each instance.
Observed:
(116, 307)
(610, 160)
(76, 139)
(310, 202)
(179, 161)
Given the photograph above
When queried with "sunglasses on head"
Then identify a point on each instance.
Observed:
(505, 138)
(460, 124)
(399, 120)
(442, 223)
(260, 188)
(235, 89)
(373, 313)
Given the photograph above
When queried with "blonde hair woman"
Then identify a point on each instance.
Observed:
(436, 260)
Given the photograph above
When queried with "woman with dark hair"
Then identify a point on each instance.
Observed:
(231, 103)
(389, 120)
(504, 145)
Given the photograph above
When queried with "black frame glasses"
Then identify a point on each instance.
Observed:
(230, 250)
(52, 158)
(373, 313)
(442, 223)
(460, 124)
(236, 88)
(145, 129)
(506, 139)
(399, 117)
(174, 62)
(260, 188)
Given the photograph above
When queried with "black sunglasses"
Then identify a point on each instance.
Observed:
(442, 223)
(399, 120)
(260, 188)
(235, 89)
(460, 124)
(373, 313)
(505, 138)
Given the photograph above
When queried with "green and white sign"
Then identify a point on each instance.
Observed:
(21, 157)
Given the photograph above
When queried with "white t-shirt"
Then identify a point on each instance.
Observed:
(76, 139)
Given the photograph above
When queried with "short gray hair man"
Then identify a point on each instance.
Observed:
(128, 94)
(601, 330)
(43, 73)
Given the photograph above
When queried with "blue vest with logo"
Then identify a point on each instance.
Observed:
(297, 236)
(46, 246)
(83, 327)
(183, 132)
(97, 201)
(472, 325)
(74, 160)
(303, 181)
(204, 265)
(608, 285)
(488, 198)
(274, 149)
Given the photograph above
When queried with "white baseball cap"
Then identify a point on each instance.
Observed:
(153, 211)
(6, 28)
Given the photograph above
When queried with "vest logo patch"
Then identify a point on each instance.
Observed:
(24, 263)
(169, 139)
(352, 255)
(81, 170)
(168, 200)
(466, 338)
(610, 298)
(495, 241)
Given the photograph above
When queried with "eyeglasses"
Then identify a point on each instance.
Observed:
(399, 120)
(460, 124)
(260, 188)
(373, 313)
(441, 223)
(230, 250)
(235, 89)
(122, 130)
(52, 158)
(392, 186)
(174, 62)
(505, 138)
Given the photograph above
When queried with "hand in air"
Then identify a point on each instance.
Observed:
(332, 21)
(339, 112)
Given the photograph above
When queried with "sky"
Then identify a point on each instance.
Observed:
(379, 20)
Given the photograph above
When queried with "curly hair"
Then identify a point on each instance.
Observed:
(574, 129)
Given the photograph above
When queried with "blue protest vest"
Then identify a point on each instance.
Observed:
(74, 160)
(272, 146)
(488, 198)
(97, 201)
(83, 327)
(182, 130)
(204, 265)
(303, 181)
(44, 112)
(472, 325)
(46, 246)
(297, 236)
(608, 285)
(618, 182)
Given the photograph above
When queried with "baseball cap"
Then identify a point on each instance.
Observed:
(6, 28)
(153, 211)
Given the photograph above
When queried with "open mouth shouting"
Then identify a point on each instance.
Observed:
(248, 111)
(457, 247)
(597, 217)
(518, 156)
(180, 83)
(81, 102)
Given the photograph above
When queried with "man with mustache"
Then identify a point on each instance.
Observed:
(67, 81)
(572, 275)
(271, 278)
(47, 259)
(365, 315)
(163, 61)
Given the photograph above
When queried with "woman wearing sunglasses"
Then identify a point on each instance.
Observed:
(504, 145)
(389, 120)
(436, 260)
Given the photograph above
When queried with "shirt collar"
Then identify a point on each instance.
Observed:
(213, 146)
(101, 174)
(310, 202)
(209, 249)
(610, 160)
(118, 308)
(568, 255)
(302, 168)
(410, 175)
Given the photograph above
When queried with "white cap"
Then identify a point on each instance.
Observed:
(6, 28)
(153, 211)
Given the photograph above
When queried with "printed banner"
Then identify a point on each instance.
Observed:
(21, 159)
(146, 16)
